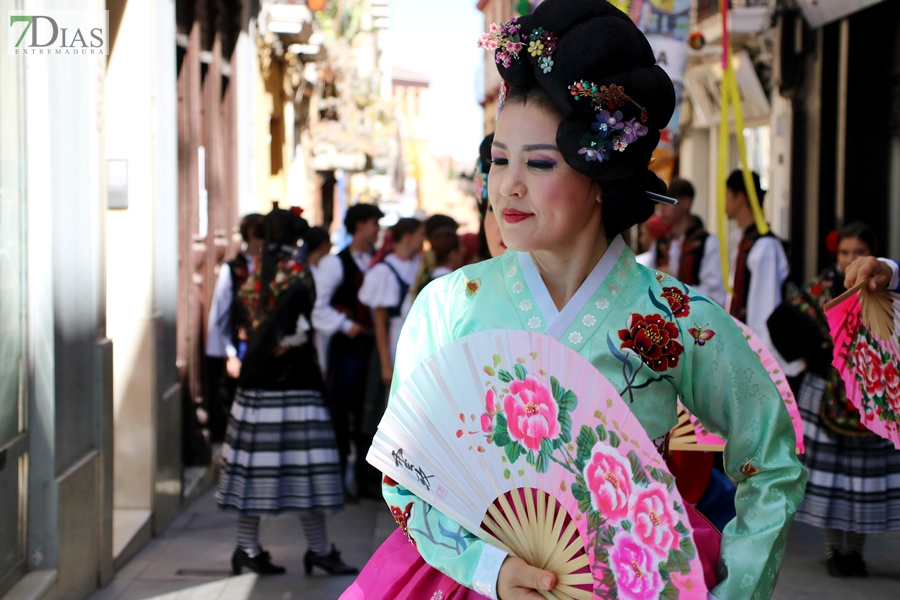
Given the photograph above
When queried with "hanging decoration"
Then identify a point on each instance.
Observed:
(731, 96)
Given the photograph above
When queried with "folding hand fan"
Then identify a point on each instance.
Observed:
(703, 440)
(867, 354)
(523, 442)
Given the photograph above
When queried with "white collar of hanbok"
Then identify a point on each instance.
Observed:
(558, 322)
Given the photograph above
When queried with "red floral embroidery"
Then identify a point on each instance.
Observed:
(388, 481)
(679, 302)
(653, 339)
(402, 517)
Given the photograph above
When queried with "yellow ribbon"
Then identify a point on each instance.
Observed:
(731, 95)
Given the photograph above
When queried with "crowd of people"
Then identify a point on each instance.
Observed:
(301, 344)
(310, 343)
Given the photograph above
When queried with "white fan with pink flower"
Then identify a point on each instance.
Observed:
(524, 443)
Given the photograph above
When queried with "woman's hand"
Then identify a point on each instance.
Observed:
(518, 580)
(280, 350)
(233, 367)
(868, 267)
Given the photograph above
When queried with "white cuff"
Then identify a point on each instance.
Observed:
(488, 570)
(894, 284)
(300, 336)
(231, 351)
(346, 326)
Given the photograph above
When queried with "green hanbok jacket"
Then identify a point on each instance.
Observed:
(657, 341)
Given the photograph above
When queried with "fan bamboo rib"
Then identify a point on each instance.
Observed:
(529, 528)
(877, 310)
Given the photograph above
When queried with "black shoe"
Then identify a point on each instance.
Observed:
(855, 566)
(837, 565)
(331, 563)
(260, 564)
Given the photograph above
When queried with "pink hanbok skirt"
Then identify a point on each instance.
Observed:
(398, 572)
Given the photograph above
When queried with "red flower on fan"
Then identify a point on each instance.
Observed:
(654, 522)
(531, 412)
(653, 339)
(892, 383)
(608, 478)
(679, 302)
(634, 568)
(869, 368)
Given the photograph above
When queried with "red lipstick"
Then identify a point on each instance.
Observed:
(511, 215)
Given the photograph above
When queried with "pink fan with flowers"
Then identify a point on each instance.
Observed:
(520, 440)
(704, 440)
(867, 354)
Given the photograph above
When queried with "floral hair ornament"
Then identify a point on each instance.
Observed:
(542, 47)
(603, 97)
(501, 97)
(506, 39)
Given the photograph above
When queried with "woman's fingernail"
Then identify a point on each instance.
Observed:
(545, 582)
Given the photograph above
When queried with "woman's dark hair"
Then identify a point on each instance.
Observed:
(281, 228)
(314, 238)
(862, 232)
(405, 227)
(443, 242)
(594, 44)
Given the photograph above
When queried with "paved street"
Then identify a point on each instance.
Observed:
(191, 561)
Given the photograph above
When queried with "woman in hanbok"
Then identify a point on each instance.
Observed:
(854, 475)
(280, 451)
(568, 176)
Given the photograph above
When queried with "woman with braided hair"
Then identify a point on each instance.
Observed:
(584, 107)
(280, 453)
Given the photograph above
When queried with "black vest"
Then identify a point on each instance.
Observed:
(692, 251)
(346, 296)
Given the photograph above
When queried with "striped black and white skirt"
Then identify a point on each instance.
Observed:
(854, 482)
(280, 455)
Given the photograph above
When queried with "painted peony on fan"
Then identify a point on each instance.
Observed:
(523, 442)
(867, 353)
(696, 437)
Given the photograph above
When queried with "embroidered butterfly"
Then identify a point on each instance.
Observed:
(749, 468)
(402, 517)
(700, 334)
(472, 286)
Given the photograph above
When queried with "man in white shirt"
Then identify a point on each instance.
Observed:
(346, 325)
(688, 252)
(759, 264)
(221, 337)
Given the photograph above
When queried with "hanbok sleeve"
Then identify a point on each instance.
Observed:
(444, 544)
(380, 288)
(725, 385)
